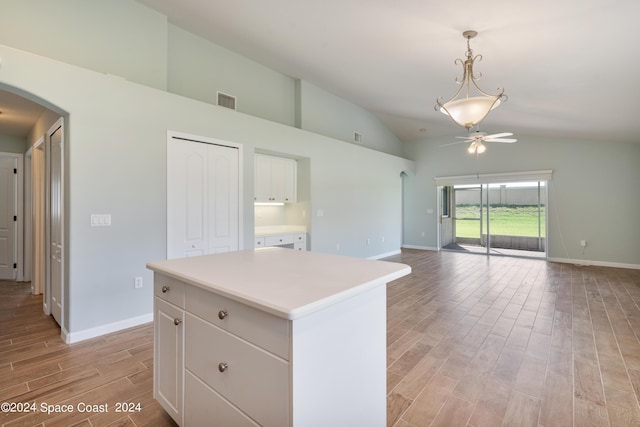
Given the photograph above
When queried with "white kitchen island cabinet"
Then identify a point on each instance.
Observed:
(272, 337)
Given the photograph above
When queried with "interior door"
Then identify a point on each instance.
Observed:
(8, 217)
(56, 249)
(203, 213)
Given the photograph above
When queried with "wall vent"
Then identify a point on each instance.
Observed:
(357, 137)
(227, 101)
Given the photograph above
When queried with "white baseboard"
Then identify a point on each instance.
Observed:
(385, 255)
(588, 263)
(72, 337)
(422, 248)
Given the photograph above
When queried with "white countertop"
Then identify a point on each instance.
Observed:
(287, 283)
(271, 230)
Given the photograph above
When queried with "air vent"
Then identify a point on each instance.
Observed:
(357, 137)
(226, 101)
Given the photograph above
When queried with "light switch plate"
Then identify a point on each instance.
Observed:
(101, 220)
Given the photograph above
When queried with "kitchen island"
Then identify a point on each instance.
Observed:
(272, 337)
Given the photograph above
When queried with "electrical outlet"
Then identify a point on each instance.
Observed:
(137, 282)
(583, 243)
(368, 242)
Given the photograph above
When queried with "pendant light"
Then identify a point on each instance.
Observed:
(465, 108)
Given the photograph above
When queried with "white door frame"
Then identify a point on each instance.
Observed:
(18, 235)
(27, 262)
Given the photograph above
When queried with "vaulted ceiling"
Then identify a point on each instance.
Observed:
(570, 68)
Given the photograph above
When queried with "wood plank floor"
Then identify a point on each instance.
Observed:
(479, 341)
(471, 341)
(36, 366)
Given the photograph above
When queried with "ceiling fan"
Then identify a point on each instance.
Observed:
(477, 138)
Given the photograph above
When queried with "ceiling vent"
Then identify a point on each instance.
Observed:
(226, 100)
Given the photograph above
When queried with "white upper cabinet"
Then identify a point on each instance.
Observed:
(275, 179)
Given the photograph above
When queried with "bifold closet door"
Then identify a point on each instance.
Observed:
(202, 198)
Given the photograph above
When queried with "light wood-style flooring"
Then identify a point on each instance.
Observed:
(471, 341)
(496, 341)
(36, 366)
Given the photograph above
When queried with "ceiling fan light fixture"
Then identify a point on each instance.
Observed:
(463, 108)
(476, 147)
(472, 148)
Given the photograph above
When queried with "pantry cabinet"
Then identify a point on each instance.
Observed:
(275, 179)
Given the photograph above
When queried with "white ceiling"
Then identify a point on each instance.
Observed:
(570, 68)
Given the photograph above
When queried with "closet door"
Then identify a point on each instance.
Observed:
(223, 198)
(202, 198)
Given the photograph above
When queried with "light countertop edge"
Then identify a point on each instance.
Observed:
(270, 305)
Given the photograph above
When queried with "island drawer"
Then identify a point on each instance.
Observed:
(258, 327)
(202, 406)
(169, 289)
(243, 374)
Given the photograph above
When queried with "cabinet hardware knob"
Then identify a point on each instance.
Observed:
(165, 289)
(177, 321)
(222, 366)
(222, 314)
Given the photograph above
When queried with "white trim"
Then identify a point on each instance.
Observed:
(421, 248)
(494, 178)
(385, 255)
(73, 337)
(27, 251)
(589, 263)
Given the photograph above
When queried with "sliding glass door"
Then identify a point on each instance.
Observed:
(499, 218)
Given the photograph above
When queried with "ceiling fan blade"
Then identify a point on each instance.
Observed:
(470, 138)
(453, 143)
(497, 135)
(508, 140)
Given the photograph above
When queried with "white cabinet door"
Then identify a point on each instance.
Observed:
(262, 179)
(169, 358)
(290, 181)
(203, 198)
(275, 179)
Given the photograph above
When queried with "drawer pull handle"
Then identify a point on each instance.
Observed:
(165, 289)
(177, 321)
(222, 366)
(222, 314)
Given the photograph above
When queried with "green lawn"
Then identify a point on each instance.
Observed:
(506, 220)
